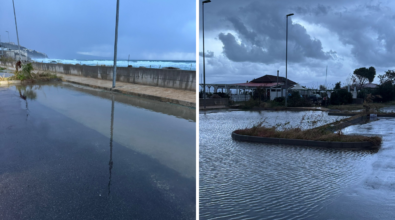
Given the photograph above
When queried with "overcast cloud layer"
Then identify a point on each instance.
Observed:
(246, 39)
(85, 29)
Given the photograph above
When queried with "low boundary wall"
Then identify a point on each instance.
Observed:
(307, 143)
(392, 115)
(169, 78)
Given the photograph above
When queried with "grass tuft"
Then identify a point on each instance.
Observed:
(321, 133)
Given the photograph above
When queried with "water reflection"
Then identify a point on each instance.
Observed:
(26, 92)
(110, 164)
(163, 131)
(58, 164)
(240, 180)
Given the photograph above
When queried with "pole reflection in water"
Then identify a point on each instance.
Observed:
(112, 126)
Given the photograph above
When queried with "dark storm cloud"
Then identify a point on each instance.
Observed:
(262, 33)
(368, 27)
(345, 35)
(83, 29)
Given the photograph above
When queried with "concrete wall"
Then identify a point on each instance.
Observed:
(14, 54)
(177, 79)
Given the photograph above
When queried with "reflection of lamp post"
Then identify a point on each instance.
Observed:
(115, 47)
(16, 27)
(204, 70)
(111, 135)
(286, 59)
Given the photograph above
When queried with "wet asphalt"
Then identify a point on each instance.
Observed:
(52, 167)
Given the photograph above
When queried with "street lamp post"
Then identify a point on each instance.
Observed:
(204, 70)
(286, 60)
(16, 27)
(114, 77)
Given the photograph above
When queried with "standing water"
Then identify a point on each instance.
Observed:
(241, 180)
(71, 152)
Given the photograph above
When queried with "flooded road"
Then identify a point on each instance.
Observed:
(240, 180)
(71, 152)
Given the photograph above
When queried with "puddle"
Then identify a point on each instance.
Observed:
(241, 180)
(75, 152)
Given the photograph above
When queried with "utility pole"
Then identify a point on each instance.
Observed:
(277, 84)
(114, 77)
(286, 60)
(326, 75)
(204, 70)
(128, 59)
(16, 27)
(326, 89)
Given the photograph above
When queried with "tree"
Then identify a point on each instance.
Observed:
(341, 97)
(337, 85)
(295, 100)
(386, 91)
(363, 75)
(322, 87)
(389, 76)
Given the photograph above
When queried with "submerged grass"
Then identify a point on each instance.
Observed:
(321, 133)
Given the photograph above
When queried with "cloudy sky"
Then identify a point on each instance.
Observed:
(85, 29)
(246, 39)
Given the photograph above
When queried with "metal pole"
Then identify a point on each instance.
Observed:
(128, 59)
(16, 27)
(277, 84)
(286, 62)
(204, 71)
(114, 77)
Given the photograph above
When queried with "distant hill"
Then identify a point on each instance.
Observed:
(30, 53)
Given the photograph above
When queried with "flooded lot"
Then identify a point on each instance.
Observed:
(240, 180)
(71, 152)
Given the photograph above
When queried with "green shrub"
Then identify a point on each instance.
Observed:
(296, 101)
(279, 99)
(341, 97)
(362, 94)
(27, 70)
(250, 104)
(223, 95)
(386, 91)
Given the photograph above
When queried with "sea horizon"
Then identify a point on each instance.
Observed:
(181, 64)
